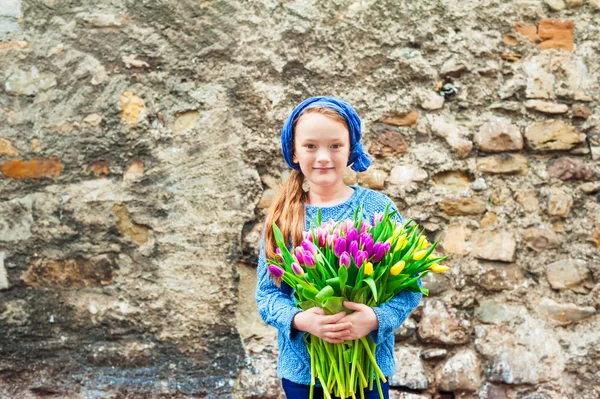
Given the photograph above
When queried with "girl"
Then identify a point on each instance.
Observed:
(319, 139)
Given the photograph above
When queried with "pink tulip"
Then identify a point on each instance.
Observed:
(345, 259)
(300, 254)
(309, 260)
(297, 269)
(276, 271)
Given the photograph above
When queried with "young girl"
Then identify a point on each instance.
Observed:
(320, 138)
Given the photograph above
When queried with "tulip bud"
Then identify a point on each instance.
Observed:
(276, 271)
(397, 268)
(419, 255)
(365, 227)
(300, 254)
(307, 235)
(297, 269)
(339, 246)
(369, 246)
(360, 258)
(353, 248)
(438, 268)
(368, 269)
(309, 246)
(323, 237)
(345, 259)
(378, 252)
(309, 260)
(352, 235)
(386, 247)
(278, 256)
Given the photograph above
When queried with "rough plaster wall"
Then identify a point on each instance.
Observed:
(139, 149)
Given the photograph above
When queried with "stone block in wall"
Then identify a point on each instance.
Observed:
(29, 82)
(463, 206)
(559, 203)
(556, 34)
(36, 168)
(442, 324)
(460, 373)
(552, 135)
(490, 311)
(373, 178)
(497, 276)
(494, 245)
(547, 107)
(564, 313)
(456, 136)
(540, 238)
(569, 168)
(524, 353)
(410, 372)
(10, 13)
(528, 200)
(498, 135)
(388, 144)
(570, 274)
(72, 273)
(504, 164)
(16, 219)
(454, 180)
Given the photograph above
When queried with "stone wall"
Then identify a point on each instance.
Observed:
(139, 150)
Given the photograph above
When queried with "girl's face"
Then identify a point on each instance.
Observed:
(322, 149)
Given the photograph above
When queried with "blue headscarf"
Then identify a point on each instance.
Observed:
(359, 160)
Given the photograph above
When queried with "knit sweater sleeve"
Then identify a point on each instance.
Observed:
(275, 307)
(391, 315)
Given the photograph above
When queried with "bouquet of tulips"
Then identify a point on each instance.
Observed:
(355, 260)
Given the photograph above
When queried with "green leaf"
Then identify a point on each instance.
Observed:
(373, 287)
(325, 293)
(343, 277)
(334, 305)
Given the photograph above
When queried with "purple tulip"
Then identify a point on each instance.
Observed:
(352, 235)
(300, 254)
(339, 246)
(353, 248)
(386, 247)
(297, 269)
(368, 247)
(309, 247)
(309, 260)
(360, 258)
(362, 239)
(345, 259)
(276, 271)
(378, 252)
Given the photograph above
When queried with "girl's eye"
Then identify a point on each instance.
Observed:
(336, 146)
(310, 146)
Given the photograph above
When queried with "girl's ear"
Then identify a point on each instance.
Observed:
(294, 157)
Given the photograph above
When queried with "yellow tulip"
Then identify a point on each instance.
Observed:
(397, 268)
(420, 255)
(436, 268)
(405, 244)
(368, 269)
(400, 242)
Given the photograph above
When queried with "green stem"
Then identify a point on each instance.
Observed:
(373, 361)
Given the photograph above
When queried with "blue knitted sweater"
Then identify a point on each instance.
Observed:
(276, 305)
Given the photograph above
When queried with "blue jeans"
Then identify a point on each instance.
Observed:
(299, 391)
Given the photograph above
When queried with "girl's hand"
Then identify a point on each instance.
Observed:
(322, 325)
(363, 320)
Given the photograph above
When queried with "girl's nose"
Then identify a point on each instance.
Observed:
(323, 156)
